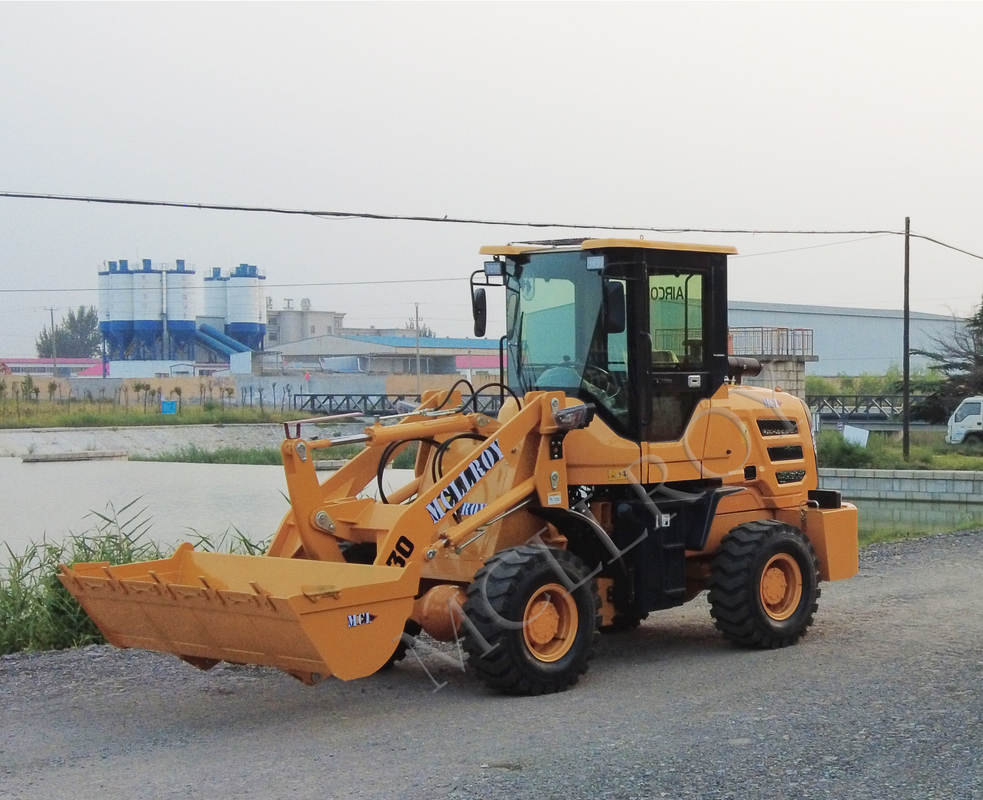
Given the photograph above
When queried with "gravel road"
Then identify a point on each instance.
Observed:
(880, 700)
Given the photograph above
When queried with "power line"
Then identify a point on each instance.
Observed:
(467, 221)
(423, 218)
(811, 246)
(943, 244)
(264, 286)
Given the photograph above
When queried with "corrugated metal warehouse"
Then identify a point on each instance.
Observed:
(848, 341)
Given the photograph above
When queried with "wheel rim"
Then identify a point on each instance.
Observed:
(781, 586)
(549, 624)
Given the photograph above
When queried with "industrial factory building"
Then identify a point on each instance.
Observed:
(849, 341)
(151, 326)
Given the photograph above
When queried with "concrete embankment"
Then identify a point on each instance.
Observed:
(938, 486)
(153, 440)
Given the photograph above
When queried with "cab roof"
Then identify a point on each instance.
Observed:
(518, 248)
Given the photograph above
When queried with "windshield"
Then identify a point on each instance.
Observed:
(556, 341)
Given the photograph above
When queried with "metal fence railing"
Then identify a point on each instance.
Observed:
(866, 406)
(375, 405)
(760, 341)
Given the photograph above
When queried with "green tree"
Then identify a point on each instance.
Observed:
(426, 332)
(957, 358)
(76, 337)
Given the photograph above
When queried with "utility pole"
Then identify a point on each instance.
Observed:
(906, 358)
(416, 325)
(54, 347)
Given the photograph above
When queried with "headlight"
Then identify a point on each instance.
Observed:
(569, 419)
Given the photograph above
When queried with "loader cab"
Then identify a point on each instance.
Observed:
(637, 328)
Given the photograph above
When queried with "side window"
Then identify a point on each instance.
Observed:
(676, 320)
(606, 372)
(967, 410)
(549, 321)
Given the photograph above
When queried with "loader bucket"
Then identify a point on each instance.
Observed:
(309, 618)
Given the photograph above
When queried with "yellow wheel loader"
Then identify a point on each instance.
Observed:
(627, 470)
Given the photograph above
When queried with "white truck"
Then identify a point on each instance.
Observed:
(966, 422)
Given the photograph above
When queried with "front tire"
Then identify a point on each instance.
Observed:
(531, 635)
(764, 585)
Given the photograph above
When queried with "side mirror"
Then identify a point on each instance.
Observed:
(613, 310)
(479, 310)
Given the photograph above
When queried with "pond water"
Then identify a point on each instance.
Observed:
(54, 500)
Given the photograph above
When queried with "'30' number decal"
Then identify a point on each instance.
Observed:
(402, 551)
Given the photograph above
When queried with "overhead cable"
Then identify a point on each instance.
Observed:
(265, 285)
(468, 221)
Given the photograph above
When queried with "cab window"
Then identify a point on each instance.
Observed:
(967, 410)
(676, 320)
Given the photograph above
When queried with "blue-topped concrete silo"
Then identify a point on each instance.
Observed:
(116, 308)
(215, 302)
(245, 319)
(148, 311)
(181, 309)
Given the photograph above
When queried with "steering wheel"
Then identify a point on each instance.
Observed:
(602, 380)
(596, 380)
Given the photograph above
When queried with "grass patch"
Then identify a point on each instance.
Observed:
(224, 455)
(107, 415)
(928, 451)
(269, 455)
(38, 613)
(882, 535)
(895, 533)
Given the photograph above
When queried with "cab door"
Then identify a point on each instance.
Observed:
(679, 375)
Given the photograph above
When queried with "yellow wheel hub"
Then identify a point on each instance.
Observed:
(781, 586)
(549, 624)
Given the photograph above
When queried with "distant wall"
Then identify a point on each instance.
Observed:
(789, 374)
(940, 486)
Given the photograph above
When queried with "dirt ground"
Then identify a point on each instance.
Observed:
(881, 700)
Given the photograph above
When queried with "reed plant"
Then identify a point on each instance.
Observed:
(38, 613)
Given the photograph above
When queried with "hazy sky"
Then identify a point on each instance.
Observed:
(699, 115)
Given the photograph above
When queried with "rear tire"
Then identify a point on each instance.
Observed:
(764, 585)
(531, 636)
